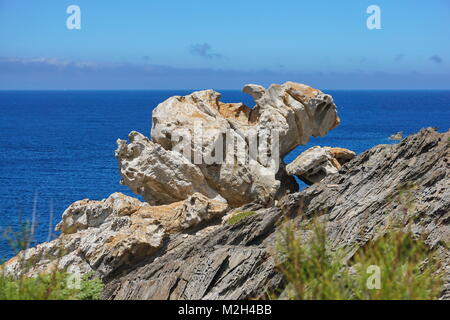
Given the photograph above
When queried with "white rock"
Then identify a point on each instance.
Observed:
(314, 164)
(296, 110)
(160, 176)
(101, 236)
(87, 213)
(293, 112)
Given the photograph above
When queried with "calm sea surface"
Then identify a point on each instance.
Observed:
(58, 147)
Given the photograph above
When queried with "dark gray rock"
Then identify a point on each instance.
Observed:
(229, 262)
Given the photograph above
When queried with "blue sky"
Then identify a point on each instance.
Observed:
(224, 44)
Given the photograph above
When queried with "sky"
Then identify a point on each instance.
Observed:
(197, 44)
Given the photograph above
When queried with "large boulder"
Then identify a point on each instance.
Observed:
(314, 164)
(160, 176)
(224, 150)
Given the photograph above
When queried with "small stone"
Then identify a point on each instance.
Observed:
(397, 136)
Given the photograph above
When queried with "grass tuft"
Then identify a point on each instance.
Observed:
(240, 216)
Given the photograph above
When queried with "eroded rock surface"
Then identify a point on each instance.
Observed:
(314, 164)
(176, 244)
(224, 150)
(296, 110)
(227, 262)
(161, 176)
(104, 236)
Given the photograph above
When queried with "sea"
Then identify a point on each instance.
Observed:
(57, 147)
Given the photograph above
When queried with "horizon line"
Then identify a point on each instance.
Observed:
(218, 89)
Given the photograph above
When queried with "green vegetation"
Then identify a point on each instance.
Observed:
(240, 216)
(396, 266)
(311, 270)
(409, 270)
(90, 288)
(51, 285)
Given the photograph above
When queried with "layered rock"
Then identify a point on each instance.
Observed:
(105, 236)
(406, 181)
(224, 150)
(314, 164)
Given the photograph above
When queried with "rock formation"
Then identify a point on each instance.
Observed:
(161, 176)
(179, 244)
(316, 163)
(235, 261)
(104, 236)
(224, 150)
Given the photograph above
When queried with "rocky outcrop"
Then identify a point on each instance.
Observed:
(105, 236)
(224, 150)
(87, 213)
(184, 250)
(314, 164)
(181, 244)
(225, 262)
(402, 181)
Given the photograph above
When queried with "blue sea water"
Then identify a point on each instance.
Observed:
(57, 147)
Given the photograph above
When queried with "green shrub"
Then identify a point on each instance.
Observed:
(52, 285)
(43, 287)
(240, 216)
(91, 288)
(409, 269)
(311, 270)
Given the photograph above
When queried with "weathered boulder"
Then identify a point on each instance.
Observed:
(342, 155)
(160, 176)
(408, 180)
(105, 236)
(295, 110)
(87, 213)
(314, 164)
(227, 150)
(190, 213)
